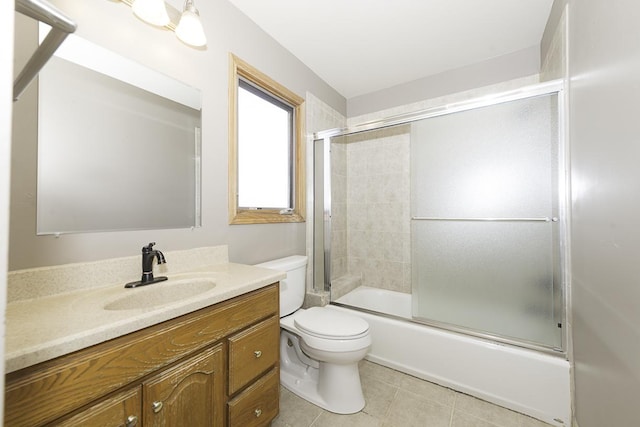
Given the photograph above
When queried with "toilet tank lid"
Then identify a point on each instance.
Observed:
(285, 264)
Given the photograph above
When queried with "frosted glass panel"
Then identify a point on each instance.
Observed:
(488, 162)
(490, 277)
(493, 277)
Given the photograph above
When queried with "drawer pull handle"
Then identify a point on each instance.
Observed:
(257, 353)
(156, 406)
(132, 421)
(258, 412)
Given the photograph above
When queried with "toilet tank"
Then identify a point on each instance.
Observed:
(292, 288)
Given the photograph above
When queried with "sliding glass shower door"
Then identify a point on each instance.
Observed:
(484, 221)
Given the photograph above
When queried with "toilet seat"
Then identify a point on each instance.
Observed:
(321, 323)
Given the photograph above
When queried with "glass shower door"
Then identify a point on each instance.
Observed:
(484, 206)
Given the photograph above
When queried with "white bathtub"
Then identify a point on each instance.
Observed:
(526, 381)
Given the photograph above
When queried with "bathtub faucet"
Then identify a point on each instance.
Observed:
(148, 254)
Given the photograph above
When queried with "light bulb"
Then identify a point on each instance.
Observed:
(151, 11)
(189, 29)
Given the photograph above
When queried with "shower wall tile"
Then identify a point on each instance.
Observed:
(372, 274)
(339, 244)
(392, 217)
(392, 276)
(338, 189)
(377, 165)
(356, 266)
(406, 247)
(356, 190)
(357, 217)
(343, 285)
(357, 162)
(339, 267)
(320, 116)
(376, 245)
(338, 159)
(406, 277)
(339, 216)
(391, 189)
(406, 217)
(393, 249)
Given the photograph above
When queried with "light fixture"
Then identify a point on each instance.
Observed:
(151, 11)
(156, 12)
(189, 29)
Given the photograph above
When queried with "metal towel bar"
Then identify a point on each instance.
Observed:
(61, 27)
(428, 218)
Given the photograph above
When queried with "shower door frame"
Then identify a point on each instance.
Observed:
(323, 139)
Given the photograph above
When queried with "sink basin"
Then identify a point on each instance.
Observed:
(173, 290)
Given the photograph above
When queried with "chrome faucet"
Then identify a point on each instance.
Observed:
(148, 254)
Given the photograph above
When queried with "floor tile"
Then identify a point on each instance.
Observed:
(410, 410)
(395, 399)
(486, 411)
(462, 419)
(378, 396)
(532, 422)
(295, 411)
(328, 419)
(380, 373)
(428, 390)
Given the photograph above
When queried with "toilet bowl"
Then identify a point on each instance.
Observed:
(319, 348)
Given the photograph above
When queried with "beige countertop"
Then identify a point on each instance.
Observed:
(42, 328)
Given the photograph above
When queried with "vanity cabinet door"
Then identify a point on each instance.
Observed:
(122, 409)
(190, 393)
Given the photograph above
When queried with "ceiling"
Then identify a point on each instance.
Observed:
(361, 46)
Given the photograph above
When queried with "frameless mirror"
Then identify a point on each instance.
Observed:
(118, 144)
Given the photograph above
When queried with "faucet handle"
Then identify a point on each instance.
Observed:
(149, 247)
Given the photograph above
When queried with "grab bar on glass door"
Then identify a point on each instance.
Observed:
(432, 218)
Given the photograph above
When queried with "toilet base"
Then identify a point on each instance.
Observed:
(333, 387)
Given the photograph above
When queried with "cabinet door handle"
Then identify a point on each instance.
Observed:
(257, 353)
(156, 406)
(258, 412)
(132, 421)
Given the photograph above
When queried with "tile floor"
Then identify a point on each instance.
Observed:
(395, 399)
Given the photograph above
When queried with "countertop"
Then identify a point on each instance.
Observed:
(40, 329)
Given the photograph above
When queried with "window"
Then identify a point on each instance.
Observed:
(266, 169)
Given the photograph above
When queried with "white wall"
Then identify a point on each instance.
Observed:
(604, 66)
(112, 25)
(515, 65)
(6, 97)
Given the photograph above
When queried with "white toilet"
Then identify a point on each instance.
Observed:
(319, 348)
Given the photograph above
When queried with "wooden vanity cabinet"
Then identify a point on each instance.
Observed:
(189, 394)
(218, 366)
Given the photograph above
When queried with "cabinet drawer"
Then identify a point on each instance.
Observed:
(123, 409)
(258, 405)
(252, 352)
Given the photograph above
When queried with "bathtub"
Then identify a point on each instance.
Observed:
(523, 380)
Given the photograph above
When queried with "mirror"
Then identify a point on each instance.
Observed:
(118, 144)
